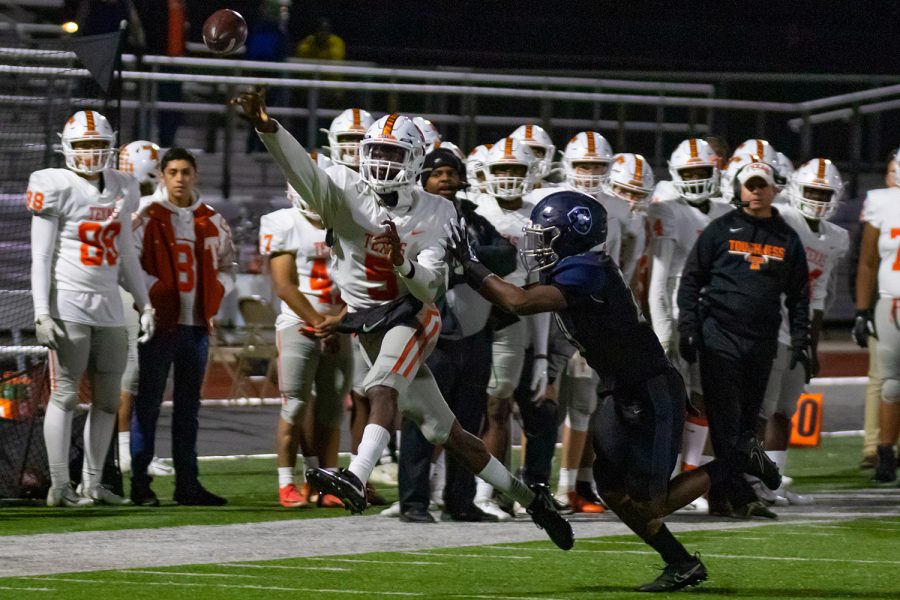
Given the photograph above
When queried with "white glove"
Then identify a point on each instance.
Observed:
(148, 324)
(47, 331)
(539, 379)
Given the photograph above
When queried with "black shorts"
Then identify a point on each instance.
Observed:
(637, 435)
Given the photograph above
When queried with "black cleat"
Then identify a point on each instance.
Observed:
(197, 495)
(885, 465)
(546, 516)
(141, 494)
(341, 483)
(677, 576)
(761, 466)
(756, 508)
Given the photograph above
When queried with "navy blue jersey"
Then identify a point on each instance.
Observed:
(603, 320)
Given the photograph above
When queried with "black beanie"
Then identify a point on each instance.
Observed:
(441, 157)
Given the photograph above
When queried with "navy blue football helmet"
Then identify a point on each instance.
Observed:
(562, 224)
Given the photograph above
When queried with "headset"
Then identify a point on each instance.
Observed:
(736, 185)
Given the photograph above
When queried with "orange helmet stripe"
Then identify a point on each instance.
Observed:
(821, 174)
(528, 128)
(760, 146)
(89, 114)
(389, 124)
(693, 144)
(357, 123)
(592, 144)
(638, 167)
(507, 148)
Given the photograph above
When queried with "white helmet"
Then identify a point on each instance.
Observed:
(429, 131)
(475, 172)
(784, 166)
(344, 135)
(820, 175)
(88, 125)
(541, 145)
(141, 159)
(587, 147)
(447, 146)
(631, 179)
(695, 153)
(509, 152)
(391, 134)
(761, 149)
(301, 205)
(735, 164)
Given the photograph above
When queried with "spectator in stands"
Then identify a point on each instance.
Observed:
(460, 361)
(322, 44)
(187, 253)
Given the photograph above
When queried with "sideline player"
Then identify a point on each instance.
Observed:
(390, 283)
(639, 427)
(81, 247)
(675, 224)
(814, 192)
(299, 263)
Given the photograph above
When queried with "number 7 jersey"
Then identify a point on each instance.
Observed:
(85, 257)
(288, 231)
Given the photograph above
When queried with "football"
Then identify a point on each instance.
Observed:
(225, 31)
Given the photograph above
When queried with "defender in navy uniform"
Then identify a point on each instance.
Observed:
(639, 429)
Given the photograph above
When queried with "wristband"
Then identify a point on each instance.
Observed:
(475, 273)
(402, 267)
(537, 356)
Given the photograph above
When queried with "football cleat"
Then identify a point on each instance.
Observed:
(492, 508)
(757, 508)
(886, 466)
(677, 576)
(159, 468)
(699, 506)
(580, 504)
(291, 497)
(197, 495)
(391, 511)
(545, 515)
(100, 494)
(341, 483)
(760, 465)
(329, 501)
(66, 497)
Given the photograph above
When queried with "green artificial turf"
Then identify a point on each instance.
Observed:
(251, 488)
(833, 559)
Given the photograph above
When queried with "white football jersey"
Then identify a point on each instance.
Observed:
(882, 211)
(85, 263)
(633, 234)
(664, 190)
(287, 230)
(613, 222)
(824, 250)
(366, 277)
(510, 224)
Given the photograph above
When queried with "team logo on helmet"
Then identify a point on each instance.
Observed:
(580, 218)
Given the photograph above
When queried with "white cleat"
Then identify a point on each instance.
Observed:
(700, 506)
(492, 508)
(160, 468)
(67, 497)
(100, 494)
(795, 499)
(391, 511)
(384, 474)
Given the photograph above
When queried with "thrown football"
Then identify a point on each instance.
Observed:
(225, 31)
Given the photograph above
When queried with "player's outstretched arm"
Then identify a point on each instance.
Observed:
(536, 299)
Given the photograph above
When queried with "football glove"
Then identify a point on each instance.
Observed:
(148, 324)
(48, 332)
(800, 355)
(863, 327)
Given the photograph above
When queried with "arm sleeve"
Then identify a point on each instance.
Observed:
(694, 276)
(312, 183)
(429, 273)
(43, 243)
(797, 295)
(661, 309)
(560, 351)
(540, 331)
(131, 275)
(227, 266)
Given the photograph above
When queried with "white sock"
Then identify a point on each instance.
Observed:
(497, 475)
(694, 437)
(285, 476)
(585, 474)
(438, 476)
(124, 439)
(779, 457)
(374, 440)
(566, 481)
(57, 438)
(483, 489)
(97, 434)
(312, 462)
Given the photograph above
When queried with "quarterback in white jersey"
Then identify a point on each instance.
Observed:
(295, 240)
(879, 271)
(390, 265)
(814, 191)
(81, 244)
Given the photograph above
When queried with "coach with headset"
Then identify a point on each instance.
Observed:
(729, 305)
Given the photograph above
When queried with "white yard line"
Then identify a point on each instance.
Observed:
(206, 584)
(276, 567)
(375, 562)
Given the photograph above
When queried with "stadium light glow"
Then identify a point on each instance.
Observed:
(70, 27)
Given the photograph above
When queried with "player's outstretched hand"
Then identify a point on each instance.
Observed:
(253, 107)
(148, 324)
(458, 243)
(390, 243)
(48, 332)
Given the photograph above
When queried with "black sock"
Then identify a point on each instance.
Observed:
(668, 547)
(718, 472)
